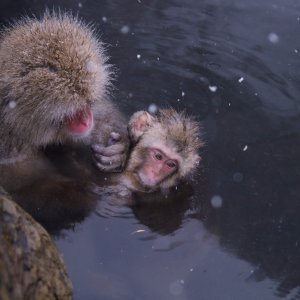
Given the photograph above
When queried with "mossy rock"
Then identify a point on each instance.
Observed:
(30, 265)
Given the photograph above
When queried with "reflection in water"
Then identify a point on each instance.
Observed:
(57, 205)
(235, 64)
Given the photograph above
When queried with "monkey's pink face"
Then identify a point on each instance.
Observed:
(81, 123)
(157, 167)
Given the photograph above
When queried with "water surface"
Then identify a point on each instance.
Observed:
(235, 233)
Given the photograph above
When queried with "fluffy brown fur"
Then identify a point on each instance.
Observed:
(49, 69)
(169, 130)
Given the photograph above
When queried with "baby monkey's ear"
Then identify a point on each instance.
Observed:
(138, 124)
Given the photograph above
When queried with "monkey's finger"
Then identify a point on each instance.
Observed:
(109, 160)
(115, 164)
(109, 168)
(110, 150)
(115, 135)
(114, 138)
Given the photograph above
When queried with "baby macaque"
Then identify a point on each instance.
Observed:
(54, 89)
(165, 152)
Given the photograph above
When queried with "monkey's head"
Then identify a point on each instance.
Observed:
(53, 72)
(166, 148)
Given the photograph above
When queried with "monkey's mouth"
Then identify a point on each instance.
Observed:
(148, 184)
(81, 122)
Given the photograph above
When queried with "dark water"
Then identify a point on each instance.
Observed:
(235, 64)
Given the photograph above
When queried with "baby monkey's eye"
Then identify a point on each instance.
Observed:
(171, 164)
(158, 156)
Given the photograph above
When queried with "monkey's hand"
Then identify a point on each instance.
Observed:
(112, 156)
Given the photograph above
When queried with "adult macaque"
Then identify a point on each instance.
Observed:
(54, 86)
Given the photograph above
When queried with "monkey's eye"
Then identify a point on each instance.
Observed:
(171, 164)
(158, 156)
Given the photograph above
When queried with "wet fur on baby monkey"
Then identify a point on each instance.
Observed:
(54, 89)
(165, 150)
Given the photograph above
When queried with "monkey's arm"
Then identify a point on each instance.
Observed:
(109, 139)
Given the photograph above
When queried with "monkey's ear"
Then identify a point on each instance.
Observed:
(138, 124)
